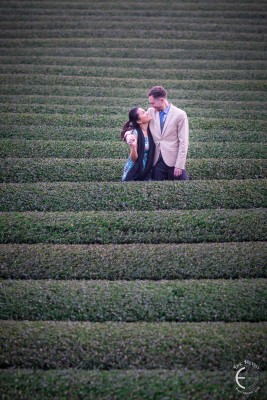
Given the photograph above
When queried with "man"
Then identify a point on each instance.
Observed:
(170, 131)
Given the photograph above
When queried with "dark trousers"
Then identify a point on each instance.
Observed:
(162, 172)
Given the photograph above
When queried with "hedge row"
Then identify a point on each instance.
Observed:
(246, 23)
(117, 121)
(133, 62)
(132, 82)
(37, 17)
(95, 5)
(137, 95)
(20, 30)
(53, 169)
(109, 149)
(44, 132)
(100, 301)
(151, 53)
(111, 105)
(53, 345)
(245, 29)
(150, 11)
(120, 385)
(111, 345)
(129, 43)
(134, 261)
(141, 196)
(134, 227)
(118, 72)
(107, 112)
(227, 25)
(244, 20)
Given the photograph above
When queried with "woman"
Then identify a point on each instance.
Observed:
(137, 134)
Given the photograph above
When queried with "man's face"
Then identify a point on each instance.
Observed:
(157, 103)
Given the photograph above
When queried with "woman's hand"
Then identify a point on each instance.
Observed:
(131, 140)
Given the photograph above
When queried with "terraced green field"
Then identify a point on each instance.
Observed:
(143, 290)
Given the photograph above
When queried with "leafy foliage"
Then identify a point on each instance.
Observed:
(78, 245)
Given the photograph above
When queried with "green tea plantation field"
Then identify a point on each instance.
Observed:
(142, 290)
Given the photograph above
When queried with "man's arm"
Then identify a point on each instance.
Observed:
(183, 136)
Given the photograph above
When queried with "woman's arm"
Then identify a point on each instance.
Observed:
(131, 139)
(133, 149)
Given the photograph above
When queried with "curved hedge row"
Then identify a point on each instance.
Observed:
(186, 25)
(117, 121)
(134, 261)
(145, 84)
(84, 110)
(101, 301)
(139, 52)
(246, 21)
(129, 43)
(111, 105)
(199, 65)
(72, 70)
(118, 72)
(114, 196)
(53, 345)
(137, 95)
(17, 30)
(83, 7)
(50, 170)
(44, 132)
(98, 149)
(134, 227)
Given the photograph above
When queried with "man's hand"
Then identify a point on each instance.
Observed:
(177, 172)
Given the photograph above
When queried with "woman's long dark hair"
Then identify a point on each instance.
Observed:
(131, 123)
(137, 173)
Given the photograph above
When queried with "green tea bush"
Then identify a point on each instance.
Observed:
(134, 261)
(134, 227)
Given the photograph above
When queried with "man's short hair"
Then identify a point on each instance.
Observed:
(158, 91)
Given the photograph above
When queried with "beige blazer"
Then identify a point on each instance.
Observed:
(173, 141)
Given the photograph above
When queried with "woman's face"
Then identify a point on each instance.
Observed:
(143, 116)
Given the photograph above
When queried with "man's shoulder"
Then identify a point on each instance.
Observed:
(151, 110)
(177, 111)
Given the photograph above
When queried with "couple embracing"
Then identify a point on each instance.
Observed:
(158, 140)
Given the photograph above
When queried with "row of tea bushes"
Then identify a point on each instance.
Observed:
(18, 148)
(134, 261)
(159, 226)
(113, 196)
